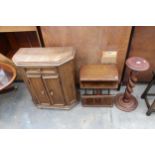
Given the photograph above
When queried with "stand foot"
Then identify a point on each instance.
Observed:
(148, 113)
(129, 106)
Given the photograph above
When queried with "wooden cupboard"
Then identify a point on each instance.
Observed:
(49, 75)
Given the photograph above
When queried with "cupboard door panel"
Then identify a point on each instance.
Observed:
(38, 89)
(22, 72)
(68, 80)
(54, 89)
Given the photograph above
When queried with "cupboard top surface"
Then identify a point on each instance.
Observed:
(99, 72)
(51, 56)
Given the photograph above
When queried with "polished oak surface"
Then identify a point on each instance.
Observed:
(14, 37)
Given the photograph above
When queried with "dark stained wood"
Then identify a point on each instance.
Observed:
(14, 37)
(6, 60)
(12, 41)
(143, 45)
(146, 94)
(4, 44)
(26, 39)
(89, 42)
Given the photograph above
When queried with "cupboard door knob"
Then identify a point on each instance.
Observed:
(42, 92)
(51, 93)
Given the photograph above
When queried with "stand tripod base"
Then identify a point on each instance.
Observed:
(126, 106)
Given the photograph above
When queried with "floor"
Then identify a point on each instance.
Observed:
(18, 111)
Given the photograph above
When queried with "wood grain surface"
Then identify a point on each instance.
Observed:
(99, 73)
(89, 42)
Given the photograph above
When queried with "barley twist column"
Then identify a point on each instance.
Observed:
(126, 101)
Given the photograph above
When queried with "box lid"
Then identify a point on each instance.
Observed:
(50, 56)
(99, 72)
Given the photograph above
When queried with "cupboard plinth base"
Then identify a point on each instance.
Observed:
(61, 107)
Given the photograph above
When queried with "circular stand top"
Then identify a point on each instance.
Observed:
(7, 75)
(137, 64)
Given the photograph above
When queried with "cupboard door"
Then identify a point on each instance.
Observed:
(38, 89)
(54, 89)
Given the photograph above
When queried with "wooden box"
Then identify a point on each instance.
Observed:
(49, 75)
